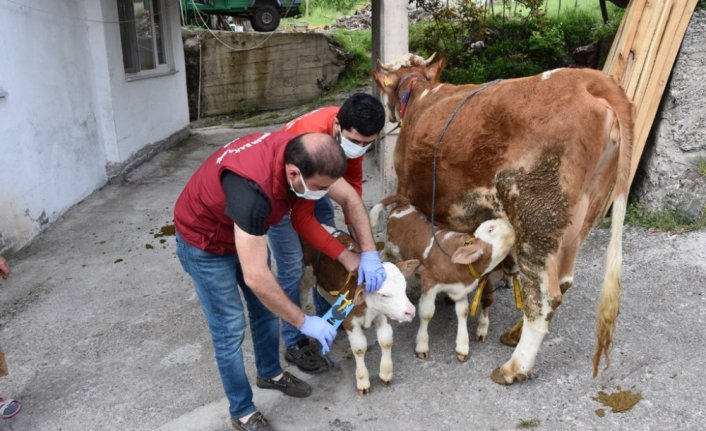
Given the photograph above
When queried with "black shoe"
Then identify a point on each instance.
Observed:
(256, 422)
(288, 384)
(306, 355)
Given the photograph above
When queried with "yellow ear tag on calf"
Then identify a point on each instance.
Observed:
(387, 81)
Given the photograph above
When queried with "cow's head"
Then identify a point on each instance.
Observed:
(394, 78)
(391, 300)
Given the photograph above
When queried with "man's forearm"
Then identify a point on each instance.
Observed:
(270, 293)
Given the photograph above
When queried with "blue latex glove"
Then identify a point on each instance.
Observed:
(371, 271)
(318, 328)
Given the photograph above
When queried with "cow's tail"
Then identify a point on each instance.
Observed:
(609, 302)
(379, 207)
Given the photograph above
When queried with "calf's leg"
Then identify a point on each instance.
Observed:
(426, 312)
(384, 333)
(359, 345)
(483, 319)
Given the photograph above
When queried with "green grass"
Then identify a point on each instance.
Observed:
(528, 423)
(319, 16)
(700, 165)
(358, 43)
(664, 220)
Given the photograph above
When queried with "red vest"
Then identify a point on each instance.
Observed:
(199, 213)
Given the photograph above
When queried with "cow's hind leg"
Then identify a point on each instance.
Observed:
(384, 333)
(359, 345)
(541, 300)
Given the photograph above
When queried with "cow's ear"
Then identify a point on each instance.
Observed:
(407, 267)
(385, 80)
(433, 72)
(467, 254)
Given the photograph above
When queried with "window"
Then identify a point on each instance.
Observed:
(142, 28)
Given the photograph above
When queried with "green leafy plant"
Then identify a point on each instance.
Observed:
(521, 40)
(358, 43)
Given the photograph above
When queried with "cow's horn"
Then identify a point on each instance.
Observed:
(428, 60)
(384, 66)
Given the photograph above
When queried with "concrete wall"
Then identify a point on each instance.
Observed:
(669, 176)
(243, 72)
(69, 118)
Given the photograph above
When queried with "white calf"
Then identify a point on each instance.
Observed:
(374, 308)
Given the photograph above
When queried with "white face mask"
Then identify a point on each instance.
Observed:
(352, 150)
(311, 195)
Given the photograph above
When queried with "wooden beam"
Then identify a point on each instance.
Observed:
(642, 56)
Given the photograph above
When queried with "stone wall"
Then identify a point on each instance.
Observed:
(669, 176)
(248, 72)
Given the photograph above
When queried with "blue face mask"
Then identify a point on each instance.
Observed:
(311, 195)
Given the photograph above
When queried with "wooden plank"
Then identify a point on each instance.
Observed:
(643, 39)
(620, 50)
(659, 43)
(648, 109)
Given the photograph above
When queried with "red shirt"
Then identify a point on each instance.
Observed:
(303, 219)
(199, 213)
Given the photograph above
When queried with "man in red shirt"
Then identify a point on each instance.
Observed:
(355, 126)
(221, 218)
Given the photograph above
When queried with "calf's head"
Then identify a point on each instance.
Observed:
(391, 300)
(494, 240)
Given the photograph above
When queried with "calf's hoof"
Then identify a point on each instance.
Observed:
(423, 355)
(364, 391)
(481, 338)
(385, 382)
(499, 377)
(461, 357)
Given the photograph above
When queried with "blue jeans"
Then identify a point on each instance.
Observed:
(287, 253)
(216, 279)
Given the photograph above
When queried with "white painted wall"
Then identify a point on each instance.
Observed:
(69, 111)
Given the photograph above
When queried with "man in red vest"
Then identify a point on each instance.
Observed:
(355, 126)
(221, 218)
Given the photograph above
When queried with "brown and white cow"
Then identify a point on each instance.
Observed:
(548, 152)
(446, 268)
(390, 302)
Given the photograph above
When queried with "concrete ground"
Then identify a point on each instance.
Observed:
(103, 331)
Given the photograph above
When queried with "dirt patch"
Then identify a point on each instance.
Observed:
(619, 402)
(166, 230)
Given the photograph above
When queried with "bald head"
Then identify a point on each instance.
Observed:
(316, 153)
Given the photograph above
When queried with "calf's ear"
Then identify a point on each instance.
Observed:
(467, 254)
(359, 294)
(407, 267)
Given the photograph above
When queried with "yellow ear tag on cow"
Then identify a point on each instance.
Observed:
(387, 81)
(518, 292)
(476, 297)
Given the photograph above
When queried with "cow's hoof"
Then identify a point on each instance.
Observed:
(498, 377)
(365, 391)
(423, 355)
(481, 338)
(512, 336)
(461, 357)
(385, 382)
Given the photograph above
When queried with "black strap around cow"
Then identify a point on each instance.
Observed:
(436, 154)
